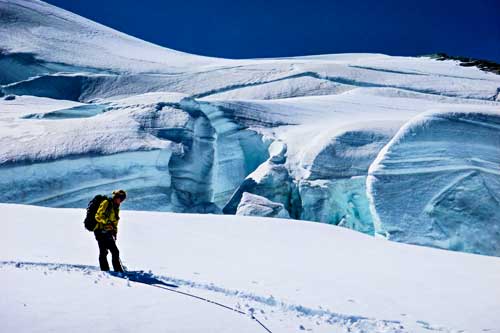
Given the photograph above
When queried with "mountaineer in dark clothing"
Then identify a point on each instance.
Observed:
(106, 230)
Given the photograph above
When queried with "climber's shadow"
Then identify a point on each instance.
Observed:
(142, 277)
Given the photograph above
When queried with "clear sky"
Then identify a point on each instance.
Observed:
(277, 28)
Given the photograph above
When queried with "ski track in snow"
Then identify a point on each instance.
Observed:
(265, 306)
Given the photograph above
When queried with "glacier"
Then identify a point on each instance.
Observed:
(405, 148)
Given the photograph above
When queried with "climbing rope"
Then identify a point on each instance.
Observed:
(212, 302)
(203, 299)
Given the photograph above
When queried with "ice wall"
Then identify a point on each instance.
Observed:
(73, 181)
(437, 182)
(169, 152)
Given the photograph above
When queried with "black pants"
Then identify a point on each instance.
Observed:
(107, 242)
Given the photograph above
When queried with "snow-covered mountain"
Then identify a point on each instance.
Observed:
(406, 148)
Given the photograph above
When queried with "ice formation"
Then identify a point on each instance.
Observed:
(402, 147)
(437, 182)
(255, 205)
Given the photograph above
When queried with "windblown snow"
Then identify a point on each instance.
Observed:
(402, 147)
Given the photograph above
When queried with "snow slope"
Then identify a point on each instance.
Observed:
(337, 139)
(47, 36)
(293, 276)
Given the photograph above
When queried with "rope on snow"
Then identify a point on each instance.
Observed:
(213, 302)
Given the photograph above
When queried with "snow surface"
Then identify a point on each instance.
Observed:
(293, 276)
(35, 27)
(356, 140)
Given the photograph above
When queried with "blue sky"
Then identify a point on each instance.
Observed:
(276, 28)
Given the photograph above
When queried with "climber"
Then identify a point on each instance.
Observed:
(106, 230)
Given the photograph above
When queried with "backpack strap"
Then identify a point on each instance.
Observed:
(107, 213)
